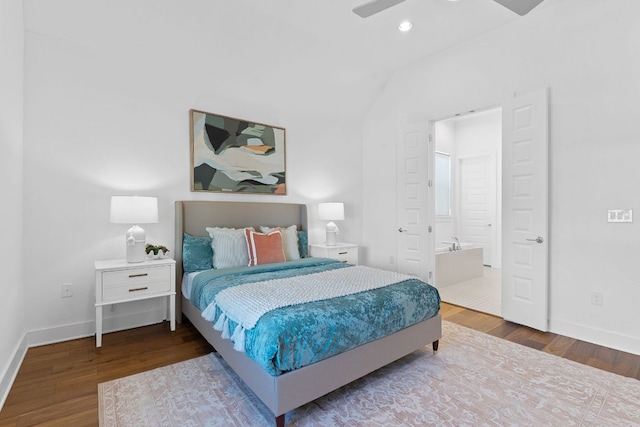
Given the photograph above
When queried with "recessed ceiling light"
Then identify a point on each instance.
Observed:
(405, 26)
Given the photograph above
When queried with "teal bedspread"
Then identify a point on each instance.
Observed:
(291, 337)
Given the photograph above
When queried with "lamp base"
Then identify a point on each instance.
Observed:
(332, 238)
(332, 234)
(136, 238)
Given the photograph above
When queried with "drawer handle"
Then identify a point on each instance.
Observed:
(138, 289)
(342, 253)
(138, 275)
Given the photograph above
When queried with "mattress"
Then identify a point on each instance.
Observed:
(288, 338)
(187, 280)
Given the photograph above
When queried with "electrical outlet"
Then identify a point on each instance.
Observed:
(67, 290)
(596, 298)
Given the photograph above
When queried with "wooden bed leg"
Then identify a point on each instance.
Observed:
(280, 420)
(434, 345)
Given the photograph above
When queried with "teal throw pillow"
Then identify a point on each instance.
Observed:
(197, 253)
(303, 244)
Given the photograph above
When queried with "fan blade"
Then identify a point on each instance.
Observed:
(521, 7)
(374, 6)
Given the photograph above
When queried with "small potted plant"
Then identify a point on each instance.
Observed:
(156, 251)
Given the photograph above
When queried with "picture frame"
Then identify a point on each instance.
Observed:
(236, 155)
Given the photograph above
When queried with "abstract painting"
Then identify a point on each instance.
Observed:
(235, 155)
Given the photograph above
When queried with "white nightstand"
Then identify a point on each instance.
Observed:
(119, 281)
(345, 252)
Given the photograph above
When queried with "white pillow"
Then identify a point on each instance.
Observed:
(289, 240)
(229, 247)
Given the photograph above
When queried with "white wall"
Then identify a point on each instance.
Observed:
(588, 53)
(479, 133)
(108, 90)
(12, 318)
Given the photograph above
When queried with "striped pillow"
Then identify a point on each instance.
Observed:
(229, 247)
(264, 248)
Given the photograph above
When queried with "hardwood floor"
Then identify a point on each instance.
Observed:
(605, 358)
(57, 383)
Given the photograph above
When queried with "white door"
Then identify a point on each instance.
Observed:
(412, 202)
(477, 178)
(525, 204)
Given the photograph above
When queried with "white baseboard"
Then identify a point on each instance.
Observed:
(88, 328)
(602, 337)
(11, 371)
(66, 333)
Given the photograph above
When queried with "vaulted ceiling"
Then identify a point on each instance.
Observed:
(376, 41)
(437, 25)
(318, 48)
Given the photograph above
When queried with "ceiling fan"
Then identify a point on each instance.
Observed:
(521, 7)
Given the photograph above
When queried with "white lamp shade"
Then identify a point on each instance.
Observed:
(134, 210)
(331, 211)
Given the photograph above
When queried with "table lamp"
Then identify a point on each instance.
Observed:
(134, 210)
(331, 212)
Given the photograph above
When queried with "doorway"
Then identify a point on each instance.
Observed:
(468, 192)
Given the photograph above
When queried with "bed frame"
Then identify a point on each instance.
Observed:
(288, 391)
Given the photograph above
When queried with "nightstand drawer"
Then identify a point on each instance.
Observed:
(136, 275)
(133, 283)
(345, 252)
(348, 255)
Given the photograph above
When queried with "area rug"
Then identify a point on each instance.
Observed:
(474, 380)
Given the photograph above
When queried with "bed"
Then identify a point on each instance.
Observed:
(287, 390)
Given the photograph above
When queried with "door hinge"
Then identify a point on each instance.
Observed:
(429, 229)
(430, 274)
(430, 138)
(430, 183)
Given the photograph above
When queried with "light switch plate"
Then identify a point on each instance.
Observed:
(620, 215)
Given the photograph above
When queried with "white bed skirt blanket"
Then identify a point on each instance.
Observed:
(245, 304)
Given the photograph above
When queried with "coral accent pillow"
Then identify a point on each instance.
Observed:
(264, 248)
(289, 240)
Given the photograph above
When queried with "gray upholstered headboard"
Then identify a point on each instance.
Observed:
(192, 217)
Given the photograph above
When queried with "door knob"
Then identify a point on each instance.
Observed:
(537, 240)
(402, 230)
